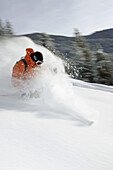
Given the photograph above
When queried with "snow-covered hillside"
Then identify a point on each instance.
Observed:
(69, 127)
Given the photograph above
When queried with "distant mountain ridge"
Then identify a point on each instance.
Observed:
(108, 33)
(104, 38)
(64, 43)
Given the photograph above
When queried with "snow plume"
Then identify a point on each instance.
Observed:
(54, 87)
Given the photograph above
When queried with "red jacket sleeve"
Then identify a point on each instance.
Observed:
(18, 70)
(17, 74)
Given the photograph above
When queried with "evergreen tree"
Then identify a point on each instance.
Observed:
(1, 28)
(104, 67)
(82, 57)
(8, 28)
(5, 29)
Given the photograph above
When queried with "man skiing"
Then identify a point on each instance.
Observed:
(25, 69)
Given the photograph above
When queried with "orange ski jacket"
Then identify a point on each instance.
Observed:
(19, 72)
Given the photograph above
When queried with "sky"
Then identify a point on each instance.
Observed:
(57, 17)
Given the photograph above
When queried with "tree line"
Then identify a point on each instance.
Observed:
(89, 66)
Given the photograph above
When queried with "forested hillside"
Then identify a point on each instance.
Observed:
(88, 58)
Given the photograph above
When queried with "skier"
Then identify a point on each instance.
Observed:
(26, 68)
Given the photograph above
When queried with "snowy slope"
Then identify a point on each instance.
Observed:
(54, 131)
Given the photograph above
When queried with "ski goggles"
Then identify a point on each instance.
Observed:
(38, 62)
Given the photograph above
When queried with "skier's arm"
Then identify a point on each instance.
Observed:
(17, 74)
(18, 70)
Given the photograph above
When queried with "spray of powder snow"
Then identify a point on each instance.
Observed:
(51, 82)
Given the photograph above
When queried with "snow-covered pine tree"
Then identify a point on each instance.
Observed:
(1, 28)
(5, 28)
(103, 67)
(70, 68)
(8, 29)
(82, 57)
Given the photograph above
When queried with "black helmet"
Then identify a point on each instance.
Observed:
(37, 57)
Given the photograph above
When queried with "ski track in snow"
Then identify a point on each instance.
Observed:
(54, 131)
